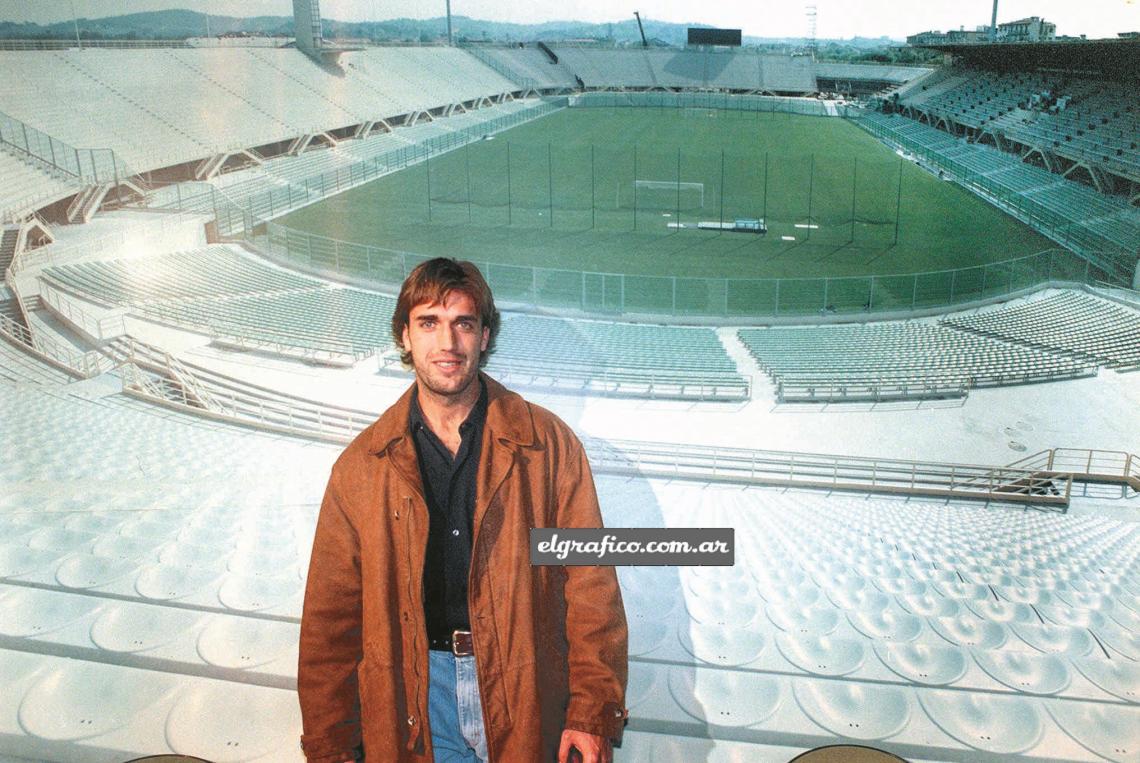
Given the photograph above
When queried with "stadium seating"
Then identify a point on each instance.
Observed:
(134, 101)
(286, 182)
(896, 361)
(26, 186)
(234, 297)
(1079, 118)
(640, 68)
(527, 66)
(1088, 219)
(616, 358)
(1070, 322)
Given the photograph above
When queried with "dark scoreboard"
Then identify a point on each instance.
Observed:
(703, 36)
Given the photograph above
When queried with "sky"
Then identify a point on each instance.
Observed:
(759, 18)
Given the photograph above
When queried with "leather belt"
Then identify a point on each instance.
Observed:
(458, 643)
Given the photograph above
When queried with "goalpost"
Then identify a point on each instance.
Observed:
(661, 194)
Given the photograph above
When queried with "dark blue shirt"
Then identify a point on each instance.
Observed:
(449, 489)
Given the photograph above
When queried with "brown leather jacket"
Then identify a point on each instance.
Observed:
(550, 642)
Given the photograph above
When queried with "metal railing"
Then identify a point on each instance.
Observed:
(703, 100)
(153, 374)
(1087, 465)
(83, 365)
(829, 472)
(628, 294)
(207, 393)
(96, 328)
(526, 83)
(88, 165)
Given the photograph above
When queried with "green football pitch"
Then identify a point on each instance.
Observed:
(621, 190)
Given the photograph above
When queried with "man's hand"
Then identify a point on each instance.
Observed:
(592, 749)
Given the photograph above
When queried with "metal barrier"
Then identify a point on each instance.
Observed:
(830, 472)
(207, 393)
(71, 313)
(703, 100)
(1087, 465)
(89, 165)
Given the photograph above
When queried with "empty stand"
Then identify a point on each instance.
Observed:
(896, 361)
(1071, 322)
(616, 358)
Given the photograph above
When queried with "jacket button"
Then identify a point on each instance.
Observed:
(411, 720)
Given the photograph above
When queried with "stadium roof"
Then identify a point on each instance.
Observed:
(1111, 57)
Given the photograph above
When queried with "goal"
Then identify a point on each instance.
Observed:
(661, 194)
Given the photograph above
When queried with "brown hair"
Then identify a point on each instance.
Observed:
(429, 283)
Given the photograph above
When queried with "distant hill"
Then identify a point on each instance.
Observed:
(182, 24)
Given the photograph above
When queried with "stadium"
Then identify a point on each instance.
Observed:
(881, 320)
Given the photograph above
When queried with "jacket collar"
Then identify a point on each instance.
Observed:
(508, 418)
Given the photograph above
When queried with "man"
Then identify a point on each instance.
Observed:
(426, 632)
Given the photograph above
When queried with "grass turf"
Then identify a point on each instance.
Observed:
(559, 193)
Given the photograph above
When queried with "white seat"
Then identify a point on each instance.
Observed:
(929, 605)
(227, 723)
(724, 646)
(90, 571)
(725, 697)
(1111, 731)
(59, 539)
(1003, 611)
(992, 723)
(930, 664)
(61, 704)
(31, 612)
(1026, 672)
(822, 655)
(239, 642)
(645, 635)
(970, 630)
(168, 582)
(1120, 678)
(886, 625)
(819, 619)
(249, 593)
(1119, 639)
(722, 611)
(863, 599)
(1067, 615)
(130, 627)
(853, 710)
(19, 560)
(1055, 639)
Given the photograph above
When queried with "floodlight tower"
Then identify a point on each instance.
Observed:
(993, 23)
(811, 15)
(307, 24)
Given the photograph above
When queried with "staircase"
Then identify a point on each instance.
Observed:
(11, 234)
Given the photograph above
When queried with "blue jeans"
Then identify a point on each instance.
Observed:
(454, 711)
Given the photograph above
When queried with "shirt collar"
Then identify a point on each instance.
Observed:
(475, 417)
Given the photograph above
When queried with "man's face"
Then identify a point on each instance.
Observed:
(446, 341)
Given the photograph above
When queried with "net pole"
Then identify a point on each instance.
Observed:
(854, 177)
(765, 187)
(427, 167)
(811, 191)
(508, 183)
(898, 201)
(722, 187)
(550, 182)
(678, 217)
(635, 186)
(467, 172)
(592, 187)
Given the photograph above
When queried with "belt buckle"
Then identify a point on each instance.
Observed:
(455, 643)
